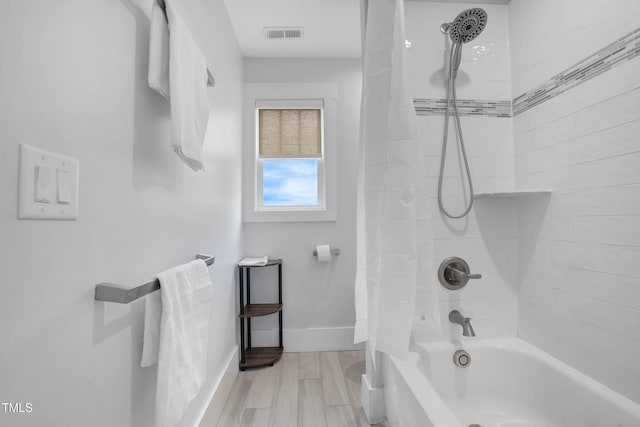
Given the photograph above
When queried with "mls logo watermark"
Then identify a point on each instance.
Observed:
(17, 408)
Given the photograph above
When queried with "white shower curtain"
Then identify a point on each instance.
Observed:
(395, 238)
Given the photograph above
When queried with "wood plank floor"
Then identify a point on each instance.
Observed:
(319, 389)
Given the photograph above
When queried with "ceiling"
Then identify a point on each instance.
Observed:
(331, 27)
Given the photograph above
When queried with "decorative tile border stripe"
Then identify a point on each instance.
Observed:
(618, 52)
(466, 107)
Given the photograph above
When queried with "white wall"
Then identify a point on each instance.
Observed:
(318, 302)
(580, 281)
(485, 238)
(73, 81)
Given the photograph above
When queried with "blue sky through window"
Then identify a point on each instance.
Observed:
(290, 182)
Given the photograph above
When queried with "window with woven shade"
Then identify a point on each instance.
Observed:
(289, 145)
(290, 133)
(290, 163)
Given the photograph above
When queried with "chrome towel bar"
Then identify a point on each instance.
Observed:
(110, 292)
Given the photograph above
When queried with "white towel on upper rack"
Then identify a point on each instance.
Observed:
(186, 294)
(158, 73)
(188, 84)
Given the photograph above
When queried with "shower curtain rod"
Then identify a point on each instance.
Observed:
(211, 81)
(110, 292)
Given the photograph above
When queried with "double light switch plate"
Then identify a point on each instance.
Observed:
(48, 185)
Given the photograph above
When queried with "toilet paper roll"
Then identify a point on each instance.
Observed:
(324, 253)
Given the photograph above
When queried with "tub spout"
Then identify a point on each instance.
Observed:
(456, 317)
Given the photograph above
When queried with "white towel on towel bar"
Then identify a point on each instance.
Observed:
(151, 339)
(186, 294)
(188, 84)
(158, 74)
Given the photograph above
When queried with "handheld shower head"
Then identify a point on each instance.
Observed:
(468, 25)
(465, 27)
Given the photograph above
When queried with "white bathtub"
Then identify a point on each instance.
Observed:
(508, 384)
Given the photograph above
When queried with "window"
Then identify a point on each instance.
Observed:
(289, 158)
(289, 145)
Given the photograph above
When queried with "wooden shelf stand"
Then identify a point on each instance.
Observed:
(253, 357)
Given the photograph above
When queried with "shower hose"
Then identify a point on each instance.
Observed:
(451, 96)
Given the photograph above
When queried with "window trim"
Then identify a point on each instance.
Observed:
(303, 94)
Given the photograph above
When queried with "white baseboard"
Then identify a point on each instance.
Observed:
(311, 339)
(372, 400)
(218, 393)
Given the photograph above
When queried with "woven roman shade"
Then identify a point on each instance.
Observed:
(290, 133)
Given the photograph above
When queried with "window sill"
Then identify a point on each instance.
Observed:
(316, 215)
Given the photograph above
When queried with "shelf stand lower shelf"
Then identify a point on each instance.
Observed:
(261, 356)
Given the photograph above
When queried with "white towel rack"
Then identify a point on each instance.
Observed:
(110, 292)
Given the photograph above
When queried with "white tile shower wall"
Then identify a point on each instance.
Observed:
(548, 36)
(486, 238)
(578, 254)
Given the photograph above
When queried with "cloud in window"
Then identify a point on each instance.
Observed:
(290, 182)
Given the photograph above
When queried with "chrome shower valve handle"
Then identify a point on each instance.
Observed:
(459, 275)
(454, 273)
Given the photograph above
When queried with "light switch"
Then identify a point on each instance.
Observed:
(48, 185)
(64, 186)
(44, 185)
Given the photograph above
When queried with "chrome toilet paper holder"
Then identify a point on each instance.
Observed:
(334, 251)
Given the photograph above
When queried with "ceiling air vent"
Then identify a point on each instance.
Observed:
(282, 33)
